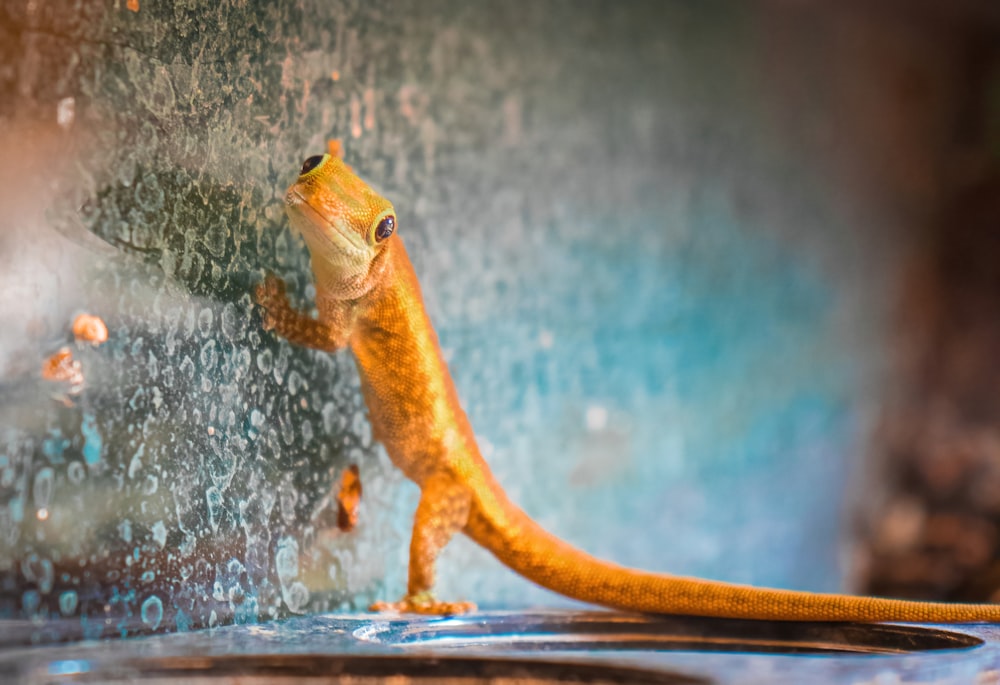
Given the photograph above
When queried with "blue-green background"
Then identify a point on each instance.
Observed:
(657, 240)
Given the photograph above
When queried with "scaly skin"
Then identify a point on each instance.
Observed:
(368, 298)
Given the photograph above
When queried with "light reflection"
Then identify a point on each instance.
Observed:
(69, 667)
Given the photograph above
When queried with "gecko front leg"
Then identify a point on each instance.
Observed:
(294, 326)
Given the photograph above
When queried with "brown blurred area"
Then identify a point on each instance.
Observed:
(933, 529)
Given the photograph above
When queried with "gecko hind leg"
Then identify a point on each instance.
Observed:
(443, 511)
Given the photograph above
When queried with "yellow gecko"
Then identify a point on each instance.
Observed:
(368, 298)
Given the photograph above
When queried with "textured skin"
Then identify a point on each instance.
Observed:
(368, 298)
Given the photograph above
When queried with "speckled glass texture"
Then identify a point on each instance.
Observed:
(632, 236)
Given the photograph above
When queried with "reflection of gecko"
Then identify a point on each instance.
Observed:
(368, 298)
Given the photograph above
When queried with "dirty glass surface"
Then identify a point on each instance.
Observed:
(656, 305)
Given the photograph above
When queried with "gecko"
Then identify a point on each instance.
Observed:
(368, 299)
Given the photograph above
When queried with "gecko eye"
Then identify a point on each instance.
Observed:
(312, 163)
(385, 228)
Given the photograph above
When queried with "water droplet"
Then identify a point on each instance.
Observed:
(189, 318)
(137, 401)
(208, 356)
(16, 508)
(67, 602)
(183, 622)
(187, 367)
(329, 414)
(295, 382)
(214, 499)
(152, 612)
(45, 576)
(296, 597)
(136, 462)
(241, 363)
(160, 534)
(187, 545)
(286, 560)
(42, 490)
(54, 447)
(214, 237)
(205, 318)
(229, 324)
(148, 193)
(287, 497)
(76, 473)
(157, 397)
(265, 361)
(281, 364)
(93, 445)
(30, 601)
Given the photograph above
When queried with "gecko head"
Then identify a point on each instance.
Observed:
(348, 227)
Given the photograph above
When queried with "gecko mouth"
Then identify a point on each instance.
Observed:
(319, 226)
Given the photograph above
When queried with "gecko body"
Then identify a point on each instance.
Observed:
(368, 298)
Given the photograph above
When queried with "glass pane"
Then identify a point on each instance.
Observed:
(654, 275)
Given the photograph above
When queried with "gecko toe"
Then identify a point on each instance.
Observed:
(425, 605)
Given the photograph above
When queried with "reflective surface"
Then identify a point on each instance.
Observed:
(627, 226)
(541, 646)
(603, 631)
(657, 240)
(346, 670)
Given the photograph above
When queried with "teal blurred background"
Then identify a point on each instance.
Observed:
(660, 243)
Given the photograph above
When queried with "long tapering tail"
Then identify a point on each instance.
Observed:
(529, 550)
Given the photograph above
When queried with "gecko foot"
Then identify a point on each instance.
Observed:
(424, 603)
(272, 297)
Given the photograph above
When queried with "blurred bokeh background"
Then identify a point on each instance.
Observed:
(717, 282)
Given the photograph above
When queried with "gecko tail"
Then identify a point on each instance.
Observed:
(526, 548)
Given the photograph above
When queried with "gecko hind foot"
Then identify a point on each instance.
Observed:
(424, 603)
